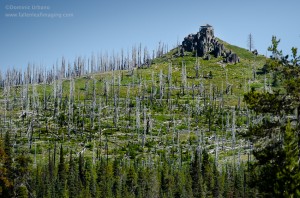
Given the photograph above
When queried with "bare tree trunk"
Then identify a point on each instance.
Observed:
(161, 86)
(137, 113)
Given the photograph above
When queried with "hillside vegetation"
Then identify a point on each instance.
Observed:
(175, 127)
(164, 105)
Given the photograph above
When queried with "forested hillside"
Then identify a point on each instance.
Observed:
(161, 126)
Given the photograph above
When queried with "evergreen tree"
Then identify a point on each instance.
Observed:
(61, 175)
(288, 177)
(296, 58)
(72, 180)
(196, 176)
(116, 188)
(216, 178)
(7, 168)
(81, 171)
(183, 183)
(104, 178)
(49, 176)
(22, 192)
(274, 48)
(40, 182)
(90, 179)
(238, 182)
(276, 145)
(22, 174)
(5, 182)
(142, 182)
(166, 181)
(207, 173)
(226, 181)
(152, 186)
(131, 182)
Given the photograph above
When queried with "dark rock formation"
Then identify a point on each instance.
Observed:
(255, 52)
(232, 58)
(205, 43)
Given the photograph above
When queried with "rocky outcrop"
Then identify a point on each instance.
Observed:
(232, 58)
(205, 43)
(255, 52)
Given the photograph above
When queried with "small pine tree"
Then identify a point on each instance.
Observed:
(288, 177)
(72, 179)
(81, 170)
(207, 173)
(216, 187)
(61, 175)
(196, 177)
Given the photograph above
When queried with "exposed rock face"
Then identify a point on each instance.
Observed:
(205, 43)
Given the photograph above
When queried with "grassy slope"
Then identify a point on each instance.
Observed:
(162, 137)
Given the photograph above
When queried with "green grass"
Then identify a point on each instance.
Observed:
(235, 75)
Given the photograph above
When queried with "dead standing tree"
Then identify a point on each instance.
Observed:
(71, 106)
(161, 86)
(183, 78)
(250, 43)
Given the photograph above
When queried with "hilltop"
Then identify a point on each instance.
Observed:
(146, 110)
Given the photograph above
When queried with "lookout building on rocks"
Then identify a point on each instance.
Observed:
(205, 44)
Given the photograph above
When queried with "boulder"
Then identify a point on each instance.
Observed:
(255, 52)
(233, 58)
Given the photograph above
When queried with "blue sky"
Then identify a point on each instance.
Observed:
(95, 26)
